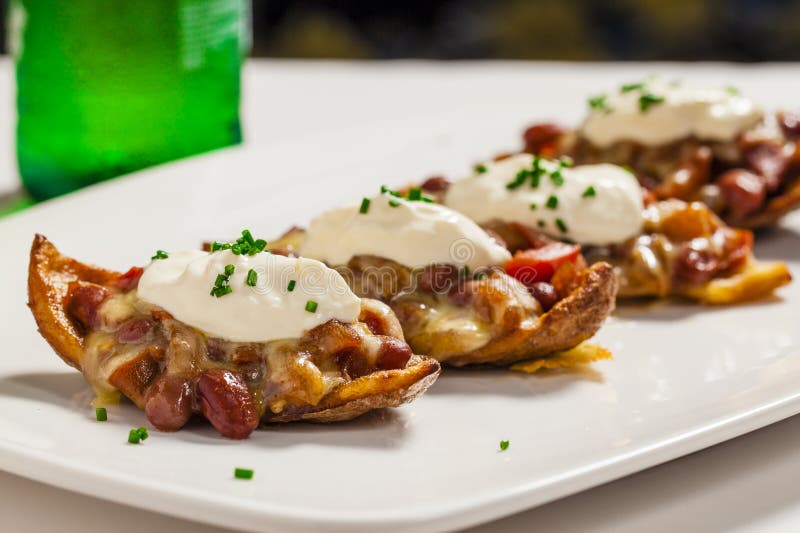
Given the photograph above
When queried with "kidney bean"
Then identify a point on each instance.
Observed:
(438, 278)
(435, 184)
(168, 404)
(83, 302)
(538, 136)
(770, 162)
(130, 279)
(545, 294)
(134, 330)
(695, 266)
(790, 121)
(393, 354)
(227, 403)
(744, 191)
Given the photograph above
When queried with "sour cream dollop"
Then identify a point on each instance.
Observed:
(708, 114)
(181, 284)
(414, 234)
(596, 204)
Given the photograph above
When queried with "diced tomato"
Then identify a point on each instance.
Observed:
(130, 279)
(539, 264)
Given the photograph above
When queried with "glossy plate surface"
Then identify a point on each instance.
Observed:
(684, 377)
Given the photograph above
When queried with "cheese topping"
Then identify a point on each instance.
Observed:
(655, 113)
(181, 284)
(590, 204)
(412, 233)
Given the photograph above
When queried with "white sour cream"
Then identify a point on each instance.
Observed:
(708, 114)
(414, 234)
(612, 215)
(181, 284)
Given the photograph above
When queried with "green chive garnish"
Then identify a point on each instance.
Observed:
(480, 169)
(648, 99)
(533, 206)
(137, 435)
(393, 203)
(589, 192)
(243, 473)
(504, 445)
(415, 194)
(142, 433)
(519, 179)
(552, 202)
(100, 414)
(541, 223)
(364, 206)
(599, 103)
(311, 306)
(252, 277)
(732, 90)
(229, 269)
(557, 178)
(248, 237)
(292, 283)
(561, 225)
(160, 254)
(631, 87)
(222, 285)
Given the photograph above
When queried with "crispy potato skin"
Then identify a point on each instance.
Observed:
(570, 322)
(50, 274)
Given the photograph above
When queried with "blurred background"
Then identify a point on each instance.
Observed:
(729, 30)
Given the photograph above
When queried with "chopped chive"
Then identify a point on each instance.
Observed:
(519, 179)
(533, 207)
(160, 254)
(566, 161)
(216, 246)
(590, 191)
(311, 306)
(415, 194)
(599, 103)
(219, 292)
(385, 189)
(133, 437)
(364, 206)
(393, 203)
(292, 283)
(243, 473)
(631, 87)
(649, 99)
(260, 244)
(541, 223)
(504, 445)
(480, 169)
(248, 237)
(628, 169)
(236, 249)
(480, 275)
(730, 89)
(101, 414)
(252, 277)
(557, 178)
(552, 202)
(561, 225)
(142, 431)
(229, 269)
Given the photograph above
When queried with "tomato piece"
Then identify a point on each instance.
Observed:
(538, 264)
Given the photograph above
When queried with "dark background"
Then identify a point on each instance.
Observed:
(732, 30)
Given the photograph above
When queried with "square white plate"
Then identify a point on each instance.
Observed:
(684, 377)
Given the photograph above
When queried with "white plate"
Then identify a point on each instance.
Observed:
(683, 378)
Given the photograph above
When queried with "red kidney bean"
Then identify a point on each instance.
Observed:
(83, 302)
(695, 266)
(168, 404)
(462, 295)
(768, 161)
(790, 121)
(130, 279)
(227, 403)
(438, 278)
(435, 184)
(744, 191)
(545, 294)
(496, 237)
(134, 330)
(539, 135)
(393, 354)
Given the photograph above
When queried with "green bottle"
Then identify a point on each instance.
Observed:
(106, 87)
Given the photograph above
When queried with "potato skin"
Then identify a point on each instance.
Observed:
(50, 274)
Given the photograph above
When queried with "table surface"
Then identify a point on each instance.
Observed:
(747, 484)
